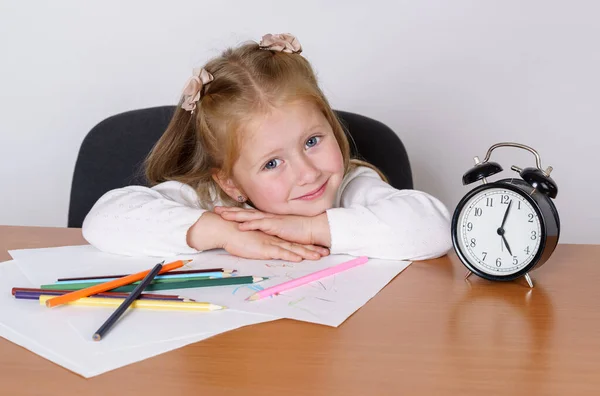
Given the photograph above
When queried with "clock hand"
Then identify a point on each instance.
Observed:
(506, 243)
(506, 214)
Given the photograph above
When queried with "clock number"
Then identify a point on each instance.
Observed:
(478, 211)
(519, 207)
(533, 235)
(469, 226)
(498, 262)
(504, 199)
(489, 202)
(530, 215)
(515, 261)
(473, 244)
(484, 255)
(527, 250)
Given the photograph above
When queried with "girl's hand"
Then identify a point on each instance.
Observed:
(211, 231)
(258, 245)
(300, 229)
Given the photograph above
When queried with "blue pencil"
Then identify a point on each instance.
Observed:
(135, 294)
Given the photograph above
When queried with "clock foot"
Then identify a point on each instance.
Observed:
(529, 281)
(468, 274)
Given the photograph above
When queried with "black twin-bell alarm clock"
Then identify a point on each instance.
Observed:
(502, 230)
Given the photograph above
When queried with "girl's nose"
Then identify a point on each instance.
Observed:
(306, 171)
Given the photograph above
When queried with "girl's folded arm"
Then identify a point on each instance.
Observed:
(144, 221)
(380, 221)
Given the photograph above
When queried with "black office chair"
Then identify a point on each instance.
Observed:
(113, 152)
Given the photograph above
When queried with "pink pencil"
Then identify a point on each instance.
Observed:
(308, 278)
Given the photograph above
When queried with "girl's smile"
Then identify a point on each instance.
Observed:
(314, 194)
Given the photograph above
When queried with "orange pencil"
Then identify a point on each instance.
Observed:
(126, 280)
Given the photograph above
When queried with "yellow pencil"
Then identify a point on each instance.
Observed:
(142, 304)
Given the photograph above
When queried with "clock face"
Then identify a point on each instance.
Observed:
(498, 231)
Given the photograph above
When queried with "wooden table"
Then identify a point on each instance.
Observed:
(429, 332)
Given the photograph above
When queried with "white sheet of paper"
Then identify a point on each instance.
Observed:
(46, 265)
(329, 302)
(63, 334)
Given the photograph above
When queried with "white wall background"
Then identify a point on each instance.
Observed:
(450, 77)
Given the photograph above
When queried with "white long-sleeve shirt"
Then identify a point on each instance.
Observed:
(369, 218)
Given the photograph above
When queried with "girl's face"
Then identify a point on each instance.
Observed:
(290, 161)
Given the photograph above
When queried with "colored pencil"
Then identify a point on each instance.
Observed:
(308, 278)
(16, 290)
(158, 279)
(236, 280)
(23, 295)
(142, 304)
(126, 280)
(170, 273)
(124, 304)
(82, 285)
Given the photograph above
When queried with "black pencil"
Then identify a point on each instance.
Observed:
(198, 271)
(123, 307)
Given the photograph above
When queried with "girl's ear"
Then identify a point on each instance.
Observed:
(227, 185)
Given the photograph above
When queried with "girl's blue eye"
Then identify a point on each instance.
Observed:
(313, 141)
(272, 164)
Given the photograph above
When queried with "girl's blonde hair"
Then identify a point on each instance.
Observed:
(248, 80)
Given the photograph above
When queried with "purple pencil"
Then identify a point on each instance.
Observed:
(24, 295)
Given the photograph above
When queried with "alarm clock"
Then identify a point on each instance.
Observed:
(503, 230)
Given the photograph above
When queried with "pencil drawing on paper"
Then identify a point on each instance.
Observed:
(298, 303)
(326, 284)
(279, 265)
(255, 288)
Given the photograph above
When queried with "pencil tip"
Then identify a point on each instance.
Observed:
(97, 337)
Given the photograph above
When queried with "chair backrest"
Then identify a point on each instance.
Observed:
(113, 152)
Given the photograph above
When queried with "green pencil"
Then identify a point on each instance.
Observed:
(188, 284)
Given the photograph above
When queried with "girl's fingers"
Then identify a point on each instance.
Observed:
(267, 226)
(300, 250)
(221, 209)
(249, 226)
(279, 253)
(319, 249)
(240, 216)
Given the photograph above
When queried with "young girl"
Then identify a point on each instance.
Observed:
(255, 162)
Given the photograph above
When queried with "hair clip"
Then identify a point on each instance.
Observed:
(284, 42)
(193, 88)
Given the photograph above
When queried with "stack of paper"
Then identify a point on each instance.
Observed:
(63, 334)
